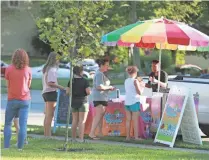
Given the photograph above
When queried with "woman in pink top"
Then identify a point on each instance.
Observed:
(49, 93)
(18, 76)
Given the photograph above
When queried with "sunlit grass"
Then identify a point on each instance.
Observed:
(39, 149)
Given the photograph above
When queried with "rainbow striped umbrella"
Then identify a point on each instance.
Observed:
(158, 33)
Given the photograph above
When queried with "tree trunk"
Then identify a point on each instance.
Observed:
(69, 107)
(174, 56)
(133, 18)
(71, 56)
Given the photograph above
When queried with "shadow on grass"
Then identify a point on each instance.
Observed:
(178, 144)
(32, 129)
(74, 149)
(45, 149)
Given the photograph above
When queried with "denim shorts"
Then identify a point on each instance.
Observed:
(133, 108)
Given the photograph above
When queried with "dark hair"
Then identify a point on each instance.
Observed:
(132, 69)
(155, 61)
(77, 70)
(101, 61)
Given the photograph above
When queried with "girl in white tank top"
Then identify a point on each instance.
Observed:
(133, 88)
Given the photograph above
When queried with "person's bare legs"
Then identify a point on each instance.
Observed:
(74, 124)
(48, 118)
(135, 117)
(100, 111)
(128, 124)
(16, 125)
(100, 127)
(81, 126)
(45, 116)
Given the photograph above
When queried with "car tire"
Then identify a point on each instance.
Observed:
(205, 129)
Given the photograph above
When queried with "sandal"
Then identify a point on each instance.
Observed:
(138, 139)
(127, 139)
(94, 138)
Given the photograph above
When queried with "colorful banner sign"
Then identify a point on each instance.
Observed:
(172, 115)
(155, 112)
(114, 121)
(179, 111)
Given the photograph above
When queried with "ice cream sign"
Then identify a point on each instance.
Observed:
(114, 118)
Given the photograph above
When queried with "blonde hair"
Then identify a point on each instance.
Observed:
(20, 59)
(51, 62)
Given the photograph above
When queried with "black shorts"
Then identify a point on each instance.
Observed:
(97, 103)
(50, 96)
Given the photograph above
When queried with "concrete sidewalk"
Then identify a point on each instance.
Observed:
(129, 145)
(33, 119)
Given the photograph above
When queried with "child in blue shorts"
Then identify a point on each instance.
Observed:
(133, 88)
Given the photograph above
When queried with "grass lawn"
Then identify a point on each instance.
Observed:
(34, 61)
(33, 129)
(37, 83)
(179, 143)
(39, 149)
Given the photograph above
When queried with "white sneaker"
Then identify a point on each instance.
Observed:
(26, 143)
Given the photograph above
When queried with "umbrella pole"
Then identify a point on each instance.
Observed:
(158, 89)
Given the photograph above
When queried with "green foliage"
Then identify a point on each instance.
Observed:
(119, 54)
(166, 59)
(72, 27)
(180, 58)
(202, 21)
(171, 69)
(182, 11)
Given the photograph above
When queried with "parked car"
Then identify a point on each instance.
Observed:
(3, 68)
(206, 76)
(90, 65)
(63, 72)
(3, 64)
(198, 86)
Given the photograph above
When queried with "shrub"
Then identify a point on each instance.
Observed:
(166, 58)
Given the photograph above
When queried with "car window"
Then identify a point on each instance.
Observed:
(63, 66)
(205, 76)
(88, 64)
